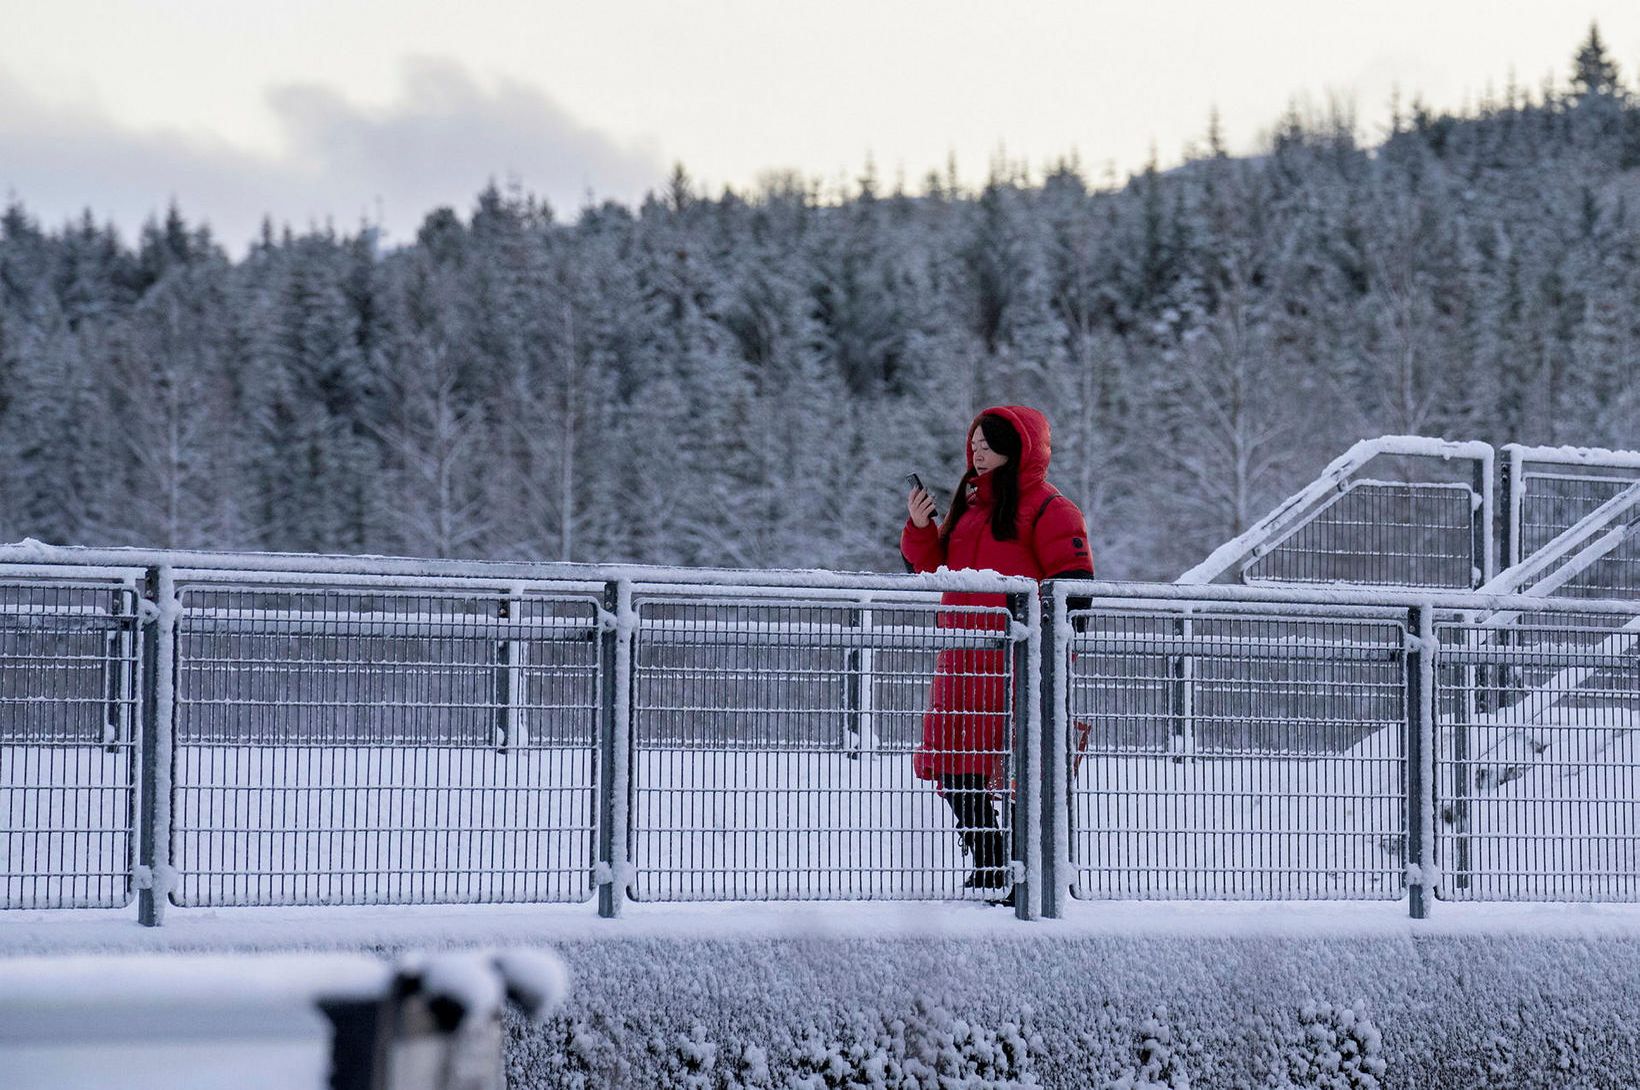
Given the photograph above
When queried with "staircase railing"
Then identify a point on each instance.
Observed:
(1571, 502)
(1345, 528)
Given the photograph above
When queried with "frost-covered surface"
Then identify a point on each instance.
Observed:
(537, 981)
(1118, 994)
(1105, 1012)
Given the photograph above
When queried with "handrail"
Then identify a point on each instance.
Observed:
(1598, 457)
(1576, 545)
(1240, 547)
(1517, 455)
(1331, 598)
(271, 570)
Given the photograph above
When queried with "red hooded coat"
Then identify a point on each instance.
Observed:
(965, 727)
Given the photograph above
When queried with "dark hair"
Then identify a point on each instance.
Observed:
(1002, 438)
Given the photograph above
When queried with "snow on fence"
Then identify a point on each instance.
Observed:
(307, 736)
(773, 742)
(1217, 753)
(1563, 496)
(1429, 526)
(68, 741)
(1537, 768)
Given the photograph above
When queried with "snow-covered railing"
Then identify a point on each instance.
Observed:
(317, 733)
(1574, 550)
(325, 730)
(1398, 749)
(1571, 502)
(1345, 529)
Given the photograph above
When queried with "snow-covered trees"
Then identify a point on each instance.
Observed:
(745, 378)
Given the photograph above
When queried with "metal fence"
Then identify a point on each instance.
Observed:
(1391, 533)
(775, 739)
(1221, 752)
(1561, 497)
(1423, 519)
(314, 733)
(68, 737)
(1538, 770)
(383, 745)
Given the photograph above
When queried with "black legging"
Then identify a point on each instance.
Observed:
(976, 816)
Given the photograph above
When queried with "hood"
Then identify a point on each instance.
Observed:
(1035, 441)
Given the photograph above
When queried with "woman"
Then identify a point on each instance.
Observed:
(1007, 518)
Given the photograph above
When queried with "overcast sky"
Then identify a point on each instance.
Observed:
(353, 111)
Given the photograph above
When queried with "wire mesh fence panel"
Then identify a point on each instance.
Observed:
(1381, 533)
(68, 737)
(808, 750)
(1225, 756)
(349, 747)
(1538, 770)
(1553, 502)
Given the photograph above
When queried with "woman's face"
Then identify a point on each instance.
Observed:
(985, 459)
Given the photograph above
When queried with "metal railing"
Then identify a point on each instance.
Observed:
(1284, 777)
(382, 745)
(1230, 742)
(204, 731)
(1429, 526)
(68, 739)
(1537, 762)
(1572, 521)
(754, 772)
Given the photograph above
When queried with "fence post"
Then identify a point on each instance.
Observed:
(1055, 716)
(616, 630)
(1482, 564)
(118, 670)
(1182, 742)
(1026, 652)
(859, 690)
(158, 610)
(1509, 546)
(512, 729)
(1422, 877)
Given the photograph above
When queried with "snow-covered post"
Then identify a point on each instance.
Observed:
(153, 877)
(617, 625)
(512, 729)
(1026, 652)
(1054, 655)
(1422, 874)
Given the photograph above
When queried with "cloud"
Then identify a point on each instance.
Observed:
(438, 143)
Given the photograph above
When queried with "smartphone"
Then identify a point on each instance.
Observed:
(916, 482)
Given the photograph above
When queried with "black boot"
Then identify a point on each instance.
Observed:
(990, 860)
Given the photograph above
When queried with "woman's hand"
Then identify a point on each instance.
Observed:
(921, 506)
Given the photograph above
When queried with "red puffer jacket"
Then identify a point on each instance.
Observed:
(965, 727)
